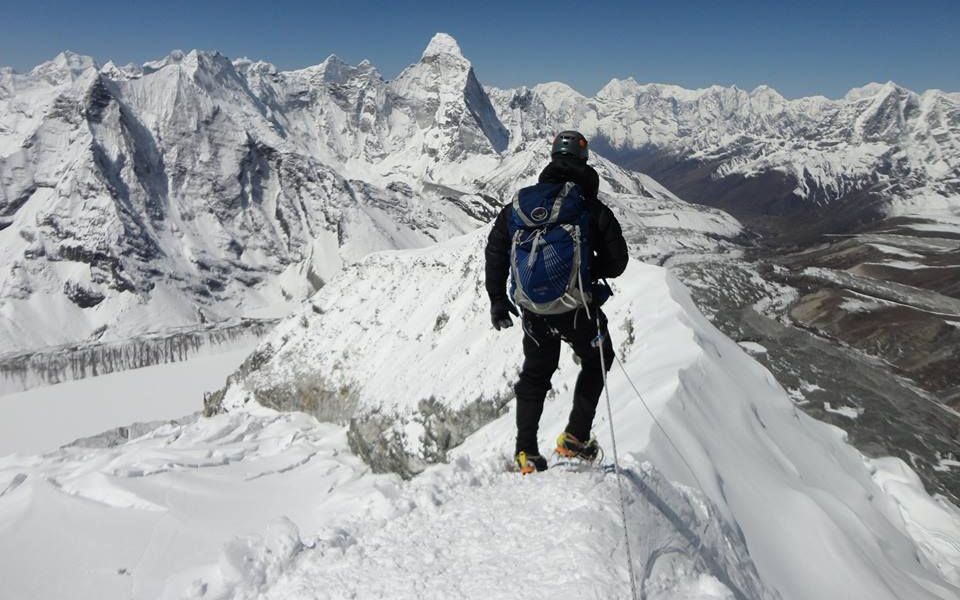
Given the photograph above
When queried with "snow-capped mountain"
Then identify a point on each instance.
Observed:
(881, 149)
(433, 122)
(192, 189)
(196, 189)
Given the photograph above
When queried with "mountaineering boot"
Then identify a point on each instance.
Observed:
(570, 447)
(529, 463)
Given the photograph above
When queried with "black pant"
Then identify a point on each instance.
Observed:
(541, 355)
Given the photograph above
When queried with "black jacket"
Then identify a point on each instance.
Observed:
(605, 236)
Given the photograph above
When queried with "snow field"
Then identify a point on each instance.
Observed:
(40, 420)
(147, 518)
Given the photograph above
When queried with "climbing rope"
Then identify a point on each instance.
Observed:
(697, 554)
(598, 342)
(616, 461)
(657, 421)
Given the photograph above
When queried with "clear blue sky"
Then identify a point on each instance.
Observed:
(799, 48)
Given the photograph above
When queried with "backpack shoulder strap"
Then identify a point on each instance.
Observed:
(518, 211)
(558, 201)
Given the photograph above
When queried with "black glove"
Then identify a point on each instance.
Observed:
(600, 291)
(500, 310)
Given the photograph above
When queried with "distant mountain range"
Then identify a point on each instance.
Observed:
(199, 189)
(880, 150)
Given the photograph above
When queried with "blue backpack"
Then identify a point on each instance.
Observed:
(549, 253)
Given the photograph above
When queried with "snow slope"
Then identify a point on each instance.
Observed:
(482, 533)
(411, 374)
(260, 504)
(786, 509)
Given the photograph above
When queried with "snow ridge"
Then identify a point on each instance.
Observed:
(819, 519)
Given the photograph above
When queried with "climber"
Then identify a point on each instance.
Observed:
(552, 239)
